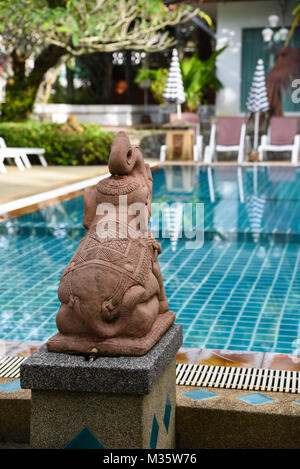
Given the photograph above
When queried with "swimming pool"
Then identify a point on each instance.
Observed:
(240, 291)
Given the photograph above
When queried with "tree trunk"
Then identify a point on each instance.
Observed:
(21, 90)
(45, 88)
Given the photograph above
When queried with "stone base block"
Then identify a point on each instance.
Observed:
(113, 402)
(115, 420)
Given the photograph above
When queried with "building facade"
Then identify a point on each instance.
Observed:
(239, 26)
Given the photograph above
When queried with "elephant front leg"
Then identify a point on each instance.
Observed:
(163, 302)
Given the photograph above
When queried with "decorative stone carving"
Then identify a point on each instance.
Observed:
(113, 300)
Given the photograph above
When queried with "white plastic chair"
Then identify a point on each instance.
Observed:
(282, 136)
(12, 153)
(239, 144)
(24, 152)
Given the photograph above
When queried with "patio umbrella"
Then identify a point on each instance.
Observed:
(257, 101)
(174, 91)
(255, 207)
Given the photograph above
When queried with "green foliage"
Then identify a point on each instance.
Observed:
(50, 29)
(158, 80)
(91, 147)
(18, 99)
(199, 78)
(296, 9)
(83, 26)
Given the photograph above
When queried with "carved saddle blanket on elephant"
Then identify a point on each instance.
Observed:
(114, 256)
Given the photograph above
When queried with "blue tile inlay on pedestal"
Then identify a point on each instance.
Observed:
(154, 433)
(199, 395)
(85, 440)
(256, 399)
(167, 414)
(11, 386)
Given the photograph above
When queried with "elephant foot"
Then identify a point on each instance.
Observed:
(163, 306)
(117, 346)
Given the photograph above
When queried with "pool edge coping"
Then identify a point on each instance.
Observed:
(193, 356)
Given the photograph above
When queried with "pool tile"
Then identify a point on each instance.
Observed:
(199, 395)
(154, 433)
(10, 386)
(256, 399)
(167, 413)
(212, 284)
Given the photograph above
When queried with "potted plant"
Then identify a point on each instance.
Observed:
(199, 80)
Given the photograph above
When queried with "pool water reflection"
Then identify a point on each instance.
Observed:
(240, 291)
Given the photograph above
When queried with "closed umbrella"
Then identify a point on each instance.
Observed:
(255, 207)
(257, 101)
(174, 91)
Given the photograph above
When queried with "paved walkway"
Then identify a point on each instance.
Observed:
(17, 184)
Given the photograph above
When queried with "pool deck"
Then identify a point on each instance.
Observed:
(211, 357)
(206, 417)
(23, 192)
(18, 184)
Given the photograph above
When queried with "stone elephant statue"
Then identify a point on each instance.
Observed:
(112, 296)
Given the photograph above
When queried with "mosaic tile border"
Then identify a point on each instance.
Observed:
(189, 356)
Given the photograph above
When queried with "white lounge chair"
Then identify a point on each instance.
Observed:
(12, 153)
(24, 152)
(282, 136)
(229, 134)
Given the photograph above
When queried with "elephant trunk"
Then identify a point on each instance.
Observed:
(122, 158)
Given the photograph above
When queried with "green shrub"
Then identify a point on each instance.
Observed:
(91, 147)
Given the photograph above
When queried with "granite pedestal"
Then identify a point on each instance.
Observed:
(112, 402)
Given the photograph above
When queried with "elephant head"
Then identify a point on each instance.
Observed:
(124, 157)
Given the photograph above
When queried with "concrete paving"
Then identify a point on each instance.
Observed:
(17, 184)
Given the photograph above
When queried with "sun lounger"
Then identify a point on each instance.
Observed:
(228, 135)
(282, 136)
(23, 152)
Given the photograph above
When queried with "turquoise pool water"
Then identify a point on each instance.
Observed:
(240, 291)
